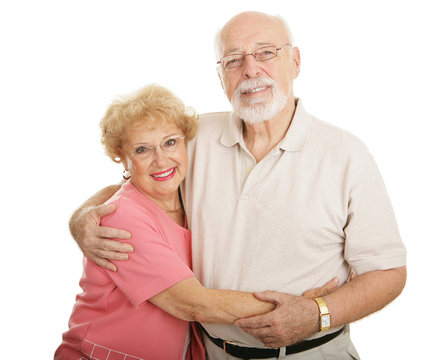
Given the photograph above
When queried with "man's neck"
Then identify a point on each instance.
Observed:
(261, 138)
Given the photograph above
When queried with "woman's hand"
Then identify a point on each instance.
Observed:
(94, 240)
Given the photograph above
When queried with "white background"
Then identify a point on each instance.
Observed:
(371, 67)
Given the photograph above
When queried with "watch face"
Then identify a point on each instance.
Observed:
(325, 321)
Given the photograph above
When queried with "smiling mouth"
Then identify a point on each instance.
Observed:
(164, 175)
(251, 91)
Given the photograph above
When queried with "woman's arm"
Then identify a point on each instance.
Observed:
(189, 300)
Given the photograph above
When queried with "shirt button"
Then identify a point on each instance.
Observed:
(248, 170)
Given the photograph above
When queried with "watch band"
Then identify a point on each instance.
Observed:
(324, 317)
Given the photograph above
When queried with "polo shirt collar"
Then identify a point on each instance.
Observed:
(295, 139)
(232, 132)
(298, 132)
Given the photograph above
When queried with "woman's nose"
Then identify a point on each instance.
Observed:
(160, 155)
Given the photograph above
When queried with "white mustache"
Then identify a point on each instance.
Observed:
(250, 84)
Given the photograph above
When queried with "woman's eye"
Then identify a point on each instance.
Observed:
(170, 142)
(141, 150)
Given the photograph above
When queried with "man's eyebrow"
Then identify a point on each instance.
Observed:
(233, 51)
(257, 46)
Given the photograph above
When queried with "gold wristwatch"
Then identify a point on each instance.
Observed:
(324, 317)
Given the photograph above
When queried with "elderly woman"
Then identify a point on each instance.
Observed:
(142, 311)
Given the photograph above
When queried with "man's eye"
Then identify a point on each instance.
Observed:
(265, 53)
(232, 62)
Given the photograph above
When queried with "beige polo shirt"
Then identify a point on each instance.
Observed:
(313, 207)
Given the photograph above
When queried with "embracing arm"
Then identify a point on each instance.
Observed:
(93, 239)
(295, 318)
(189, 300)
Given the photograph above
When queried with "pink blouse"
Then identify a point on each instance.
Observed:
(112, 318)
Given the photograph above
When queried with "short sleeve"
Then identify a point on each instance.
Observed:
(154, 264)
(372, 240)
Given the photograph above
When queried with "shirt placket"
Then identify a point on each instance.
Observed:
(253, 174)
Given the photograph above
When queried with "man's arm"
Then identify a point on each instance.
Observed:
(295, 318)
(93, 239)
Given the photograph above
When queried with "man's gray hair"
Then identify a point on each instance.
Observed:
(284, 23)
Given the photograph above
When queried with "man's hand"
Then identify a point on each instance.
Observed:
(326, 289)
(94, 240)
(294, 318)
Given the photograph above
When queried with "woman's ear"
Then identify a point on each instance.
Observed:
(124, 160)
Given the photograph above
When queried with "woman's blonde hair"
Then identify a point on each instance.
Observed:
(152, 104)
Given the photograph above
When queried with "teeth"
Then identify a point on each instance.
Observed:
(164, 174)
(255, 90)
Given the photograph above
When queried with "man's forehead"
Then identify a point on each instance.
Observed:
(250, 39)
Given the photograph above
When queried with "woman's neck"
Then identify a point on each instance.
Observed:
(170, 204)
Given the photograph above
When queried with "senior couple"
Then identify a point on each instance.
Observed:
(275, 199)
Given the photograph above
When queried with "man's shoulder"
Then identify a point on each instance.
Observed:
(212, 123)
(336, 138)
(214, 118)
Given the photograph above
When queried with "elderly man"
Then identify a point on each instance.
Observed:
(277, 199)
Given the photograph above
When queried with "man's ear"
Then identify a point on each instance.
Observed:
(296, 58)
(220, 78)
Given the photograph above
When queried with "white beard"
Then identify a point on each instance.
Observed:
(258, 109)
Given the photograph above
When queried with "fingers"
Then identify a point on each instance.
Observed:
(324, 290)
(352, 275)
(108, 232)
(270, 296)
(264, 335)
(253, 322)
(103, 210)
(111, 255)
(332, 284)
(103, 250)
(111, 249)
(103, 263)
(117, 246)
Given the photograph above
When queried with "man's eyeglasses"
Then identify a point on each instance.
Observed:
(146, 151)
(262, 54)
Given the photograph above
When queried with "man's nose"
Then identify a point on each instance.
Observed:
(251, 68)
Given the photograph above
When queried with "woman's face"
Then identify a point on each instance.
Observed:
(156, 171)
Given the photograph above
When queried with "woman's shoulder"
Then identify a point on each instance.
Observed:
(130, 209)
(127, 206)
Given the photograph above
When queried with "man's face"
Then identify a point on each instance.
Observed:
(258, 87)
